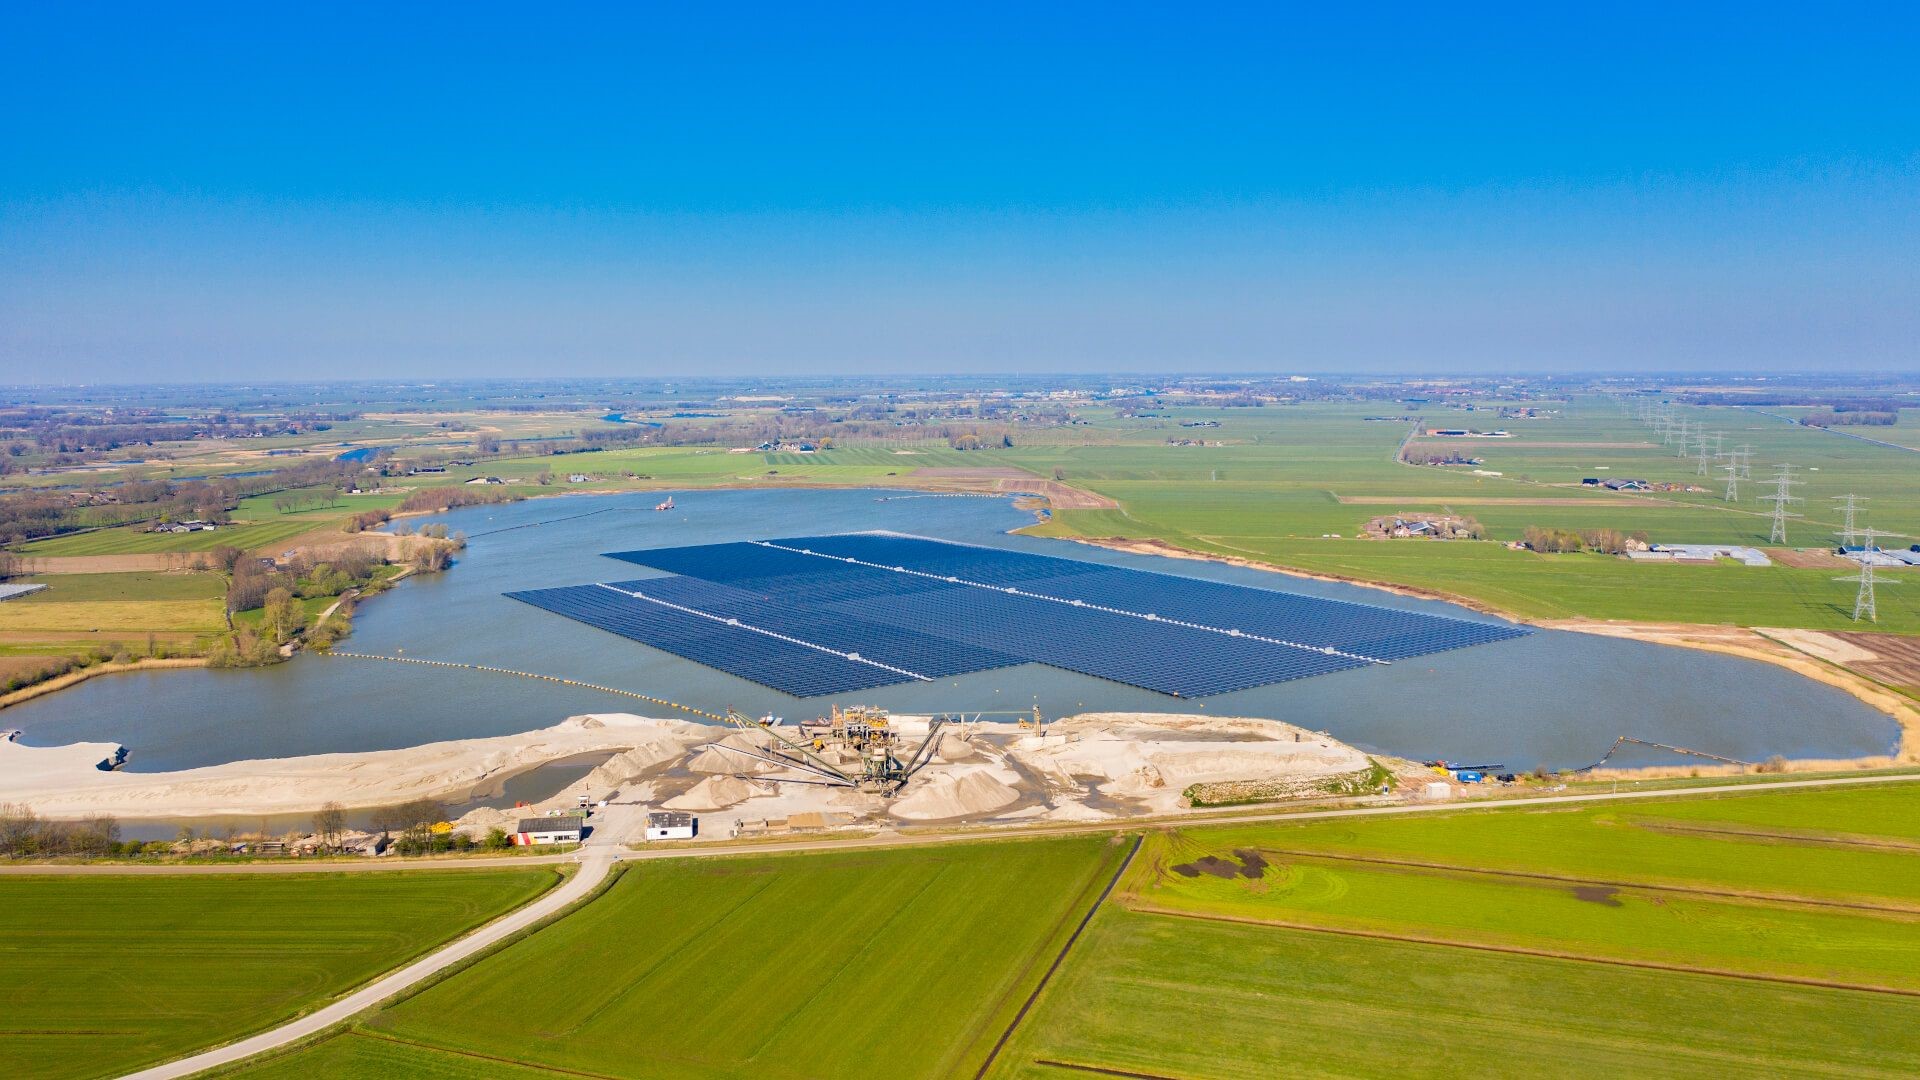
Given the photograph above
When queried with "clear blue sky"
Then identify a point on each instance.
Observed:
(188, 191)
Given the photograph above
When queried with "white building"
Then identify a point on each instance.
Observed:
(549, 830)
(671, 825)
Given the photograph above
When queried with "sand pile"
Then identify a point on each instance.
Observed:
(718, 793)
(954, 748)
(62, 781)
(962, 793)
(715, 761)
(623, 768)
(1128, 758)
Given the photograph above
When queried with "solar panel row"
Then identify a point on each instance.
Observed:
(783, 665)
(820, 615)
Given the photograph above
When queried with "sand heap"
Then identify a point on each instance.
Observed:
(954, 748)
(718, 793)
(63, 782)
(1153, 760)
(960, 793)
(711, 759)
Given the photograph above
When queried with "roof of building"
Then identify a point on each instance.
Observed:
(558, 823)
(669, 819)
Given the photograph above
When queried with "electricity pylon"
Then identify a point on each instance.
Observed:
(1848, 504)
(1783, 482)
(1863, 602)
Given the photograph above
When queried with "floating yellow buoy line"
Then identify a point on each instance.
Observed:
(529, 675)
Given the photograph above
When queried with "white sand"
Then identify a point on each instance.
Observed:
(62, 781)
(718, 793)
(960, 793)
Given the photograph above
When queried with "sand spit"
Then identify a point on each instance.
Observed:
(1084, 768)
(64, 782)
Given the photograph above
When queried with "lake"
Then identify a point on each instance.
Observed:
(1553, 698)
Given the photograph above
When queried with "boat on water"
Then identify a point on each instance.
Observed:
(668, 505)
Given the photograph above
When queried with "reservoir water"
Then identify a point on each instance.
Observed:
(1552, 698)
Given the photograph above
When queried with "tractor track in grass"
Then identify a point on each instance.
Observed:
(535, 1066)
(1061, 958)
(1786, 899)
(1102, 1070)
(1521, 950)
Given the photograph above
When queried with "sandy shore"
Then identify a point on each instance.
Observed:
(61, 682)
(63, 781)
(1090, 767)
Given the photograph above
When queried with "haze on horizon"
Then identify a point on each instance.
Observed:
(213, 193)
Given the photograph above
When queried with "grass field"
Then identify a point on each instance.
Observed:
(1586, 941)
(136, 540)
(898, 964)
(1273, 493)
(103, 975)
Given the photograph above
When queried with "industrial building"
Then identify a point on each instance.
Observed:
(671, 825)
(564, 829)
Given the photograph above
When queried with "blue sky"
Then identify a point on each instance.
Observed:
(206, 192)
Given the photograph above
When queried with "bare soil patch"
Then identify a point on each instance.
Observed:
(1489, 500)
(962, 472)
(119, 564)
(1895, 658)
(1820, 559)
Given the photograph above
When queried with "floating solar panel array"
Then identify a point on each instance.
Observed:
(832, 614)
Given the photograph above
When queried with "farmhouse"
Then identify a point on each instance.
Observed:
(671, 825)
(549, 830)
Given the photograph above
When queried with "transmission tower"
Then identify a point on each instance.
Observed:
(1744, 455)
(1783, 482)
(1686, 433)
(1863, 604)
(1733, 476)
(1848, 504)
(1702, 446)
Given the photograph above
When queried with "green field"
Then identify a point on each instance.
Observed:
(1601, 940)
(136, 540)
(1210, 1001)
(103, 975)
(905, 963)
(1274, 493)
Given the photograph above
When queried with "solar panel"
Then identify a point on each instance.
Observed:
(828, 614)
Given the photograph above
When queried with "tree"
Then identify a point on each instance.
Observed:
(329, 823)
(283, 617)
(18, 827)
(498, 840)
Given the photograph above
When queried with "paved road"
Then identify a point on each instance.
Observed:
(593, 870)
(604, 847)
(614, 825)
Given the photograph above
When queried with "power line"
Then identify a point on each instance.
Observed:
(1783, 482)
(1848, 504)
(1863, 601)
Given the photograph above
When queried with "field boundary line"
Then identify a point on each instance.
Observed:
(1721, 894)
(1521, 950)
(358, 1033)
(1101, 1070)
(1060, 958)
(1889, 844)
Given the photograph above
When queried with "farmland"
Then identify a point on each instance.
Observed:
(106, 974)
(1683, 937)
(900, 964)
